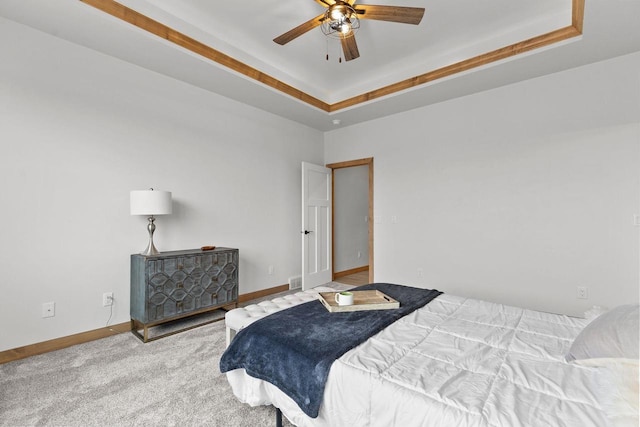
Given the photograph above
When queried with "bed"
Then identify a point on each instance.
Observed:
(466, 362)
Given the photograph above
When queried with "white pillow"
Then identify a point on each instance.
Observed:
(612, 334)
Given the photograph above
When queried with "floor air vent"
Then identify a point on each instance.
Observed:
(295, 282)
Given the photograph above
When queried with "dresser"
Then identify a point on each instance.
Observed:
(173, 286)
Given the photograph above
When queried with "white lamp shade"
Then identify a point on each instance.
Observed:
(151, 202)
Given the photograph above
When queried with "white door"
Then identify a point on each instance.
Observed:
(316, 225)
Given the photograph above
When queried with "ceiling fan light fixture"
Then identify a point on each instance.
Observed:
(337, 12)
(339, 20)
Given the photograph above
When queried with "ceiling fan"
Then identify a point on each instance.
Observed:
(341, 20)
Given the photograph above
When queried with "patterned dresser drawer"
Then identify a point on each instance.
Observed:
(177, 284)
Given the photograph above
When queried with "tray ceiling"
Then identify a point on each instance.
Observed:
(460, 47)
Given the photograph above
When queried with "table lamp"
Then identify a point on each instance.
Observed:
(150, 203)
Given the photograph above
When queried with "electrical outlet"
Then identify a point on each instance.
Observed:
(582, 292)
(271, 269)
(420, 273)
(48, 309)
(107, 299)
(359, 254)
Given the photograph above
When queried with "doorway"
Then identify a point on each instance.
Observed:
(368, 162)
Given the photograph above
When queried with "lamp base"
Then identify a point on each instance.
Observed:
(151, 249)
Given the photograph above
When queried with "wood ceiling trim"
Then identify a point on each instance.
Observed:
(577, 15)
(141, 21)
(468, 64)
(133, 17)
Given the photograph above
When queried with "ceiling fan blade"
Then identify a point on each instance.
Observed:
(349, 46)
(404, 15)
(299, 30)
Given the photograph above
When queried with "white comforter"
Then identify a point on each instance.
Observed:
(459, 362)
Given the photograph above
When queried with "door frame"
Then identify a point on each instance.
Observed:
(351, 163)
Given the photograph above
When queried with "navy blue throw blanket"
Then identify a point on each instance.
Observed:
(294, 349)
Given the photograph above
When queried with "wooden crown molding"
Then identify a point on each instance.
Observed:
(133, 17)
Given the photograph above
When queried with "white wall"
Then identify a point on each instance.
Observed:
(78, 131)
(516, 195)
(351, 210)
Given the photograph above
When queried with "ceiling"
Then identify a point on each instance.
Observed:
(460, 47)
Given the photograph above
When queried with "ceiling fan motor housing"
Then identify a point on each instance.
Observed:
(340, 20)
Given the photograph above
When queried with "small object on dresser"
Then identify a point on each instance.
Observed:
(208, 248)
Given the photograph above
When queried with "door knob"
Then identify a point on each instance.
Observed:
(306, 231)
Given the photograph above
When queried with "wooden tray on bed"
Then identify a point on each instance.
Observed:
(362, 300)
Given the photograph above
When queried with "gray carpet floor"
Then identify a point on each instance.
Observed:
(119, 381)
